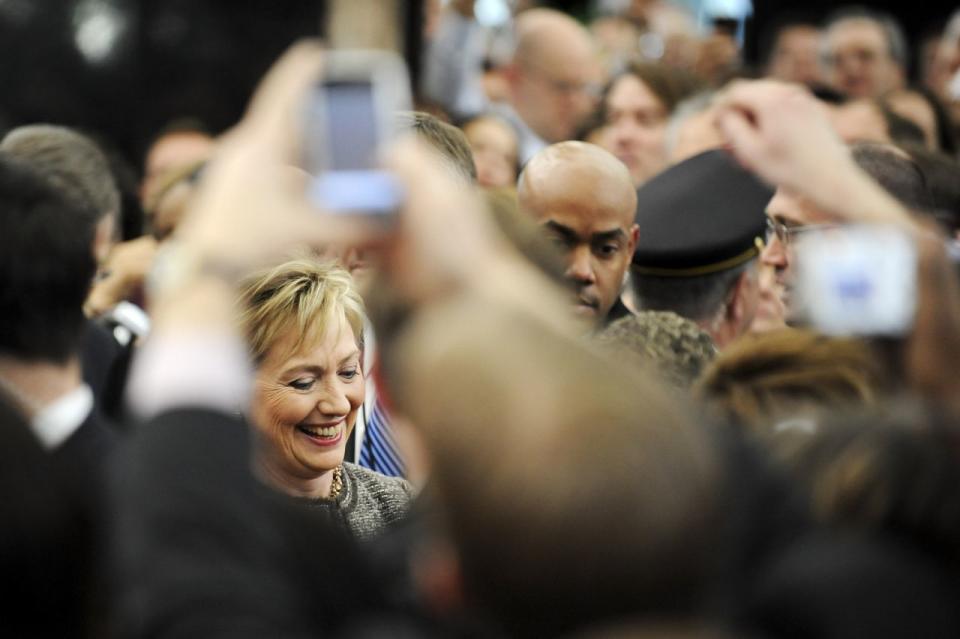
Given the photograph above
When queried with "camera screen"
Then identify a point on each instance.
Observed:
(351, 125)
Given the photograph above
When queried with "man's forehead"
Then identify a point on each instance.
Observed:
(590, 188)
(583, 226)
(794, 210)
(857, 30)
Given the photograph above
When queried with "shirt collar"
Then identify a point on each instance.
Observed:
(529, 142)
(61, 418)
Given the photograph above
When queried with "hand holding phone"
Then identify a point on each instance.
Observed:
(351, 116)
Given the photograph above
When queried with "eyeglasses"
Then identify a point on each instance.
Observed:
(786, 234)
(564, 87)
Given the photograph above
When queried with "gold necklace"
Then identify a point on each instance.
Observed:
(336, 485)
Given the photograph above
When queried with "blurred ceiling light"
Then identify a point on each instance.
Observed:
(731, 9)
(98, 26)
(492, 13)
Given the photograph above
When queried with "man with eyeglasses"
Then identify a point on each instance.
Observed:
(552, 78)
(791, 217)
(553, 75)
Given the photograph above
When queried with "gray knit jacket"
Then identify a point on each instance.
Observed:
(369, 502)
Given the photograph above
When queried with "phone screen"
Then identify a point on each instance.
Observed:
(857, 280)
(345, 140)
(352, 135)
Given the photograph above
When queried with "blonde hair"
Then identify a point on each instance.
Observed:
(304, 295)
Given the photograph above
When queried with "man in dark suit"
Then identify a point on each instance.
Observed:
(44, 540)
(46, 266)
(54, 444)
(75, 166)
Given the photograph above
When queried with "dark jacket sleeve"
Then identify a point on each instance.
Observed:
(202, 550)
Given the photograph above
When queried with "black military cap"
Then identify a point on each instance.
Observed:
(702, 216)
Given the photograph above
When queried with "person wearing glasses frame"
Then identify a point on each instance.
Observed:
(790, 217)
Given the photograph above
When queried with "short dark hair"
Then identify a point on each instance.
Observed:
(46, 266)
(447, 139)
(896, 40)
(900, 129)
(696, 298)
(71, 162)
(896, 172)
(771, 34)
(946, 138)
(942, 174)
(670, 86)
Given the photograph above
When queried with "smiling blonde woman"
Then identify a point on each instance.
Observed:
(304, 324)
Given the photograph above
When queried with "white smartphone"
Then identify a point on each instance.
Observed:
(351, 117)
(857, 280)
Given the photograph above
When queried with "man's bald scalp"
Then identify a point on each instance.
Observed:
(540, 30)
(565, 155)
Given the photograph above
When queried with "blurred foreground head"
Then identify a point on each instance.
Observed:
(892, 471)
(789, 378)
(574, 492)
(675, 347)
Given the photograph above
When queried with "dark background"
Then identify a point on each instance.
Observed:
(201, 58)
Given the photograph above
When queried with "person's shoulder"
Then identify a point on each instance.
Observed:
(375, 502)
(377, 483)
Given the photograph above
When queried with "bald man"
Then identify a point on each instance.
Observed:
(584, 197)
(553, 74)
(553, 78)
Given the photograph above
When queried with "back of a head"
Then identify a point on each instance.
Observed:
(675, 347)
(892, 470)
(697, 298)
(942, 175)
(46, 266)
(574, 491)
(71, 162)
(896, 172)
(770, 378)
(447, 140)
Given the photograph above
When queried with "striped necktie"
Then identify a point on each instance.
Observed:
(379, 450)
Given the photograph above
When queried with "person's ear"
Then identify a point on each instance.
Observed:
(736, 303)
(103, 238)
(633, 239)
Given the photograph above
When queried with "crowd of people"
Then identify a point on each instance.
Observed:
(657, 345)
